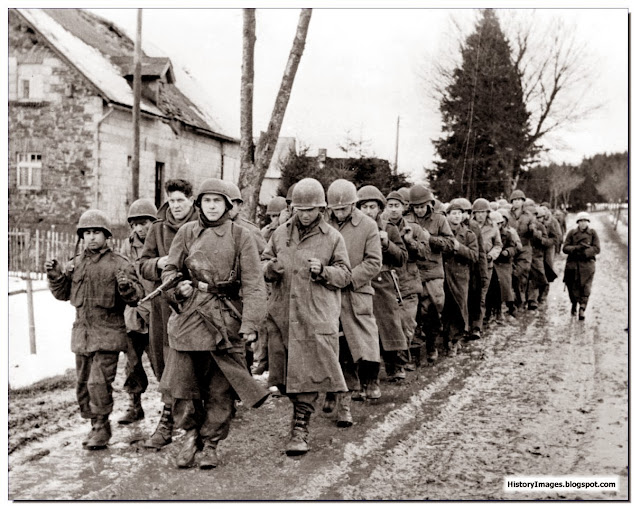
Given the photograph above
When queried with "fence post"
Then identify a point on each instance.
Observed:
(32, 322)
(37, 269)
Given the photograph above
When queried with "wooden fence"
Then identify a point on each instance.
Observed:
(30, 248)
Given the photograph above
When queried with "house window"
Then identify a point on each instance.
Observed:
(31, 82)
(29, 171)
(24, 89)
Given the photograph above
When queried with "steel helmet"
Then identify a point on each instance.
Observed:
(503, 203)
(308, 194)
(276, 205)
(529, 205)
(583, 216)
(371, 193)
(540, 211)
(233, 192)
(505, 213)
(457, 204)
(404, 193)
(496, 216)
(290, 193)
(517, 194)
(493, 205)
(94, 219)
(141, 209)
(341, 193)
(395, 194)
(215, 186)
(438, 207)
(466, 204)
(419, 194)
(481, 205)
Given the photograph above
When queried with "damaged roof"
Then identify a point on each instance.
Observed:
(103, 53)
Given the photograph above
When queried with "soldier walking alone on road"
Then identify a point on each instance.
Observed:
(142, 213)
(99, 283)
(307, 263)
(210, 326)
(581, 245)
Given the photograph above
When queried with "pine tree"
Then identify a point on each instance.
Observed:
(485, 119)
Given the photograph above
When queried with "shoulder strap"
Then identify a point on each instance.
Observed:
(236, 233)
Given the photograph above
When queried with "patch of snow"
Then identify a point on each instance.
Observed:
(94, 65)
(53, 322)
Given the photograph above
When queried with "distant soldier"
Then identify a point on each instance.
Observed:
(178, 210)
(274, 209)
(416, 240)
(523, 222)
(537, 275)
(501, 290)
(386, 307)
(422, 213)
(142, 213)
(99, 283)
(237, 201)
(359, 349)
(581, 245)
(210, 326)
(554, 232)
(307, 263)
(457, 267)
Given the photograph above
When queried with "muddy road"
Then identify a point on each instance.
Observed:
(543, 394)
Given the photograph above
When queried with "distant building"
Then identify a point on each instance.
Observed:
(70, 121)
(284, 147)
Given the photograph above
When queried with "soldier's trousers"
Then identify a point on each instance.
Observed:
(136, 380)
(430, 311)
(356, 373)
(95, 373)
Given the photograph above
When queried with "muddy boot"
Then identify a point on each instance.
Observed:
(343, 406)
(511, 309)
(358, 395)
(452, 349)
(134, 411)
(209, 455)
(373, 390)
(581, 312)
(162, 435)
(90, 433)
(432, 356)
(101, 435)
(533, 305)
(298, 444)
(329, 403)
(191, 445)
(415, 351)
(574, 308)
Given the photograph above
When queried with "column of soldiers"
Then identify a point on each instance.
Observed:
(339, 290)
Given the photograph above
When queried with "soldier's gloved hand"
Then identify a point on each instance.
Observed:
(184, 289)
(53, 269)
(249, 337)
(384, 239)
(125, 284)
(590, 252)
(273, 270)
(407, 234)
(505, 253)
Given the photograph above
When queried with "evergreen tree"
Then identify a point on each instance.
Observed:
(484, 118)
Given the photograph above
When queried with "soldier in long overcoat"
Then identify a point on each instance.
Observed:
(307, 264)
(416, 241)
(360, 348)
(218, 308)
(537, 274)
(581, 245)
(386, 284)
(422, 203)
(554, 232)
(503, 263)
(457, 267)
(523, 222)
(177, 211)
(99, 283)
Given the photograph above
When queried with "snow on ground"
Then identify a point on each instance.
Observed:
(53, 320)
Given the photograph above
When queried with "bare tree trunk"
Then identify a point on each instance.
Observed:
(251, 175)
(137, 87)
(246, 91)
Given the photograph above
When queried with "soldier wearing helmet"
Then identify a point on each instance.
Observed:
(540, 242)
(440, 238)
(218, 307)
(524, 224)
(360, 348)
(175, 212)
(387, 298)
(492, 245)
(416, 240)
(100, 285)
(307, 264)
(581, 245)
(457, 267)
(142, 213)
(503, 265)
(554, 232)
(275, 207)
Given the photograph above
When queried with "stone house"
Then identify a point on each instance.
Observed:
(70, 121)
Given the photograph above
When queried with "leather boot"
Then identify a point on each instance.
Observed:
(581, 312)
(162, 435)
(134, 411)
(209, 456)
(297, 444)
(90, 433)
(329, 403)
(574, 308)
(101, 435)
(191, 445)
(373, 390)
(343, 405)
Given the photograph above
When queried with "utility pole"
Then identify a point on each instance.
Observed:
(137, 87)
(395, 160)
